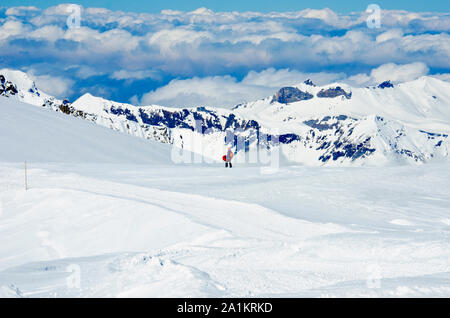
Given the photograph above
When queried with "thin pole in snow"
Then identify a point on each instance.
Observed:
(26, 178)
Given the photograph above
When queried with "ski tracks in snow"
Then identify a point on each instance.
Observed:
(227, 232)
(207, 246)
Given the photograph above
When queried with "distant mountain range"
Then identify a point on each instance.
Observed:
(335, 124)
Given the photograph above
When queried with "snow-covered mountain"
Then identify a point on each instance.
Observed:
(16, 84)
(334, 124)
(339, 124)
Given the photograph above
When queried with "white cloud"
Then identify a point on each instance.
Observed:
(202, 43)
(167, 39)
(393, 72)
(326, 15)
(114, 40)
(284, 77)
(98, 11)
(55, 86)
(56, 15)
(399, 73)
(84, 72)
(12, 28)
(218, 91)
(50, 33)
(118, 40)
(360, 80)
(21, 11)
(443, 77)
(61, 9)
(392, 34)
(226, 91)
(136, 75)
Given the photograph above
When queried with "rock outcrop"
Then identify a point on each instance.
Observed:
(334, 92)
(6, 87)
(288, 95)
(386, 84)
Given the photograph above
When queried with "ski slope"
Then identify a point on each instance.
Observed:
(40, 135)
(176, 232)
(109, 215)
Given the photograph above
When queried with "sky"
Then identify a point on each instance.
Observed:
(216, 53)
(155, 6)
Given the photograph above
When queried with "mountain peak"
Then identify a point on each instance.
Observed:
(90, 103)
(20, 79)
(309, 83)
(386, 84)
(19, 85)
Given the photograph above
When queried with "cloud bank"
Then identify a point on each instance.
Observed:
(181, 58)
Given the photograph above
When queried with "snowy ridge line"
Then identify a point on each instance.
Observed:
(333, 124)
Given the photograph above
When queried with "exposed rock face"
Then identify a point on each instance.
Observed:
(288, 95)
(309, 82)
(6, 87)
(334, 92)
(386, 84)
(185, 118)
(333, 135)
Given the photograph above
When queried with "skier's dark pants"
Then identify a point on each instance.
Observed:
(226, 164)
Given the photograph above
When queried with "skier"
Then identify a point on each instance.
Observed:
(229, 156)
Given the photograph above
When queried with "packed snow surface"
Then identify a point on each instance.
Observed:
(110, 215)
(41, 135)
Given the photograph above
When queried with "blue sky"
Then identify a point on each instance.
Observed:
(342, 6)
(211, 56)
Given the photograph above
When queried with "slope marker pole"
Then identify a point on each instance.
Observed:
(26, 178)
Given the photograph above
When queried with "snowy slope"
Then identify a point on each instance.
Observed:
(37, 134)
(133, 231)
